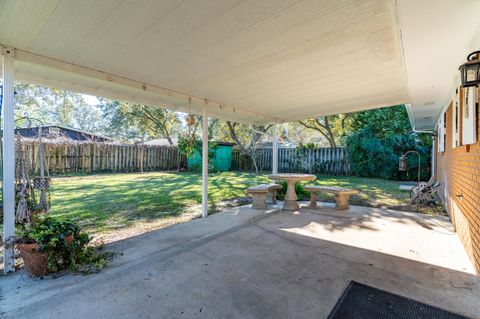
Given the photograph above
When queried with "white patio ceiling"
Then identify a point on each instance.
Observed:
(250, 61)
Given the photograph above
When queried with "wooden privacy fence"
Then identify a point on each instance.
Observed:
(104, 157)
(328, 160)
(89, 157)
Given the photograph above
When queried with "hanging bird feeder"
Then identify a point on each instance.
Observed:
(190, 120)
(403, 163)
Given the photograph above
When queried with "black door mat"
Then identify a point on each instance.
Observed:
(360, 301)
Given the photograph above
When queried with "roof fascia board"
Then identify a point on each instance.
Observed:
(72, 86)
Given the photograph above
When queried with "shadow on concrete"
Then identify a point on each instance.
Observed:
(246, 264)
(440, 286)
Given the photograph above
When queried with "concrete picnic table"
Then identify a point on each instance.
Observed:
(290, 202)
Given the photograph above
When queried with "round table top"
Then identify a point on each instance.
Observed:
(292, 176)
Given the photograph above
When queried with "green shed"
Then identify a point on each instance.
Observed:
(222, 161)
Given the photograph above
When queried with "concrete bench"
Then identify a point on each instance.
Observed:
(342, 195)
(263, 194)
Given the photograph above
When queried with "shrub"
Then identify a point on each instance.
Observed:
(301, 193)
(63, 243)
(189, 145)
(371, 156)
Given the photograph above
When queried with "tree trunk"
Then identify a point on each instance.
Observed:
(323, 129)
(169, 139)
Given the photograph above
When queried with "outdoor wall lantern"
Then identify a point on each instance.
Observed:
(470, 70)
(403, 163)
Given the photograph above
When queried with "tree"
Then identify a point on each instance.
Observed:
(322, 125)
(384, 122)
(130, 121)
(247, 138)
(213, 126)
(378, 137)
(154, 121)
(58, 107)
(331, 127)
(119, 120)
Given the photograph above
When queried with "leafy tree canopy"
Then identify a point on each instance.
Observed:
(384, 122)
(376, 139)
(130, 121)
(119, 120)
(58, 107)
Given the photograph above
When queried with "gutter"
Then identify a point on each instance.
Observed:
(408, 107)
(423, 131)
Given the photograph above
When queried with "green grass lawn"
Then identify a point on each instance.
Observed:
(110, 201)
(105, 202)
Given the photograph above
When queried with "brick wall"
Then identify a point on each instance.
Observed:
(458, 171)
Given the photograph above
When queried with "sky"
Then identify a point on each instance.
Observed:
(90, 99)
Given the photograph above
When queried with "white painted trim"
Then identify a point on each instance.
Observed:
(205, 162)
(455, 119)
(469, 127)
(441, 133)
(32, 58)
(8, 184)
(274, 149)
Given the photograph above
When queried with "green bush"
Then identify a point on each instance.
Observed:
(64, 244)
(197, 167)
(188, 145)
(371, 156)
(301, 193)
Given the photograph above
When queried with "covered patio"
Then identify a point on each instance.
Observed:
(262, 264)
(254, 62)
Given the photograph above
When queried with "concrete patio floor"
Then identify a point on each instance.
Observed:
(244, 263)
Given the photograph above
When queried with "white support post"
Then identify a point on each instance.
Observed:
(274, 150)
(8, 183)
(205, 162)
